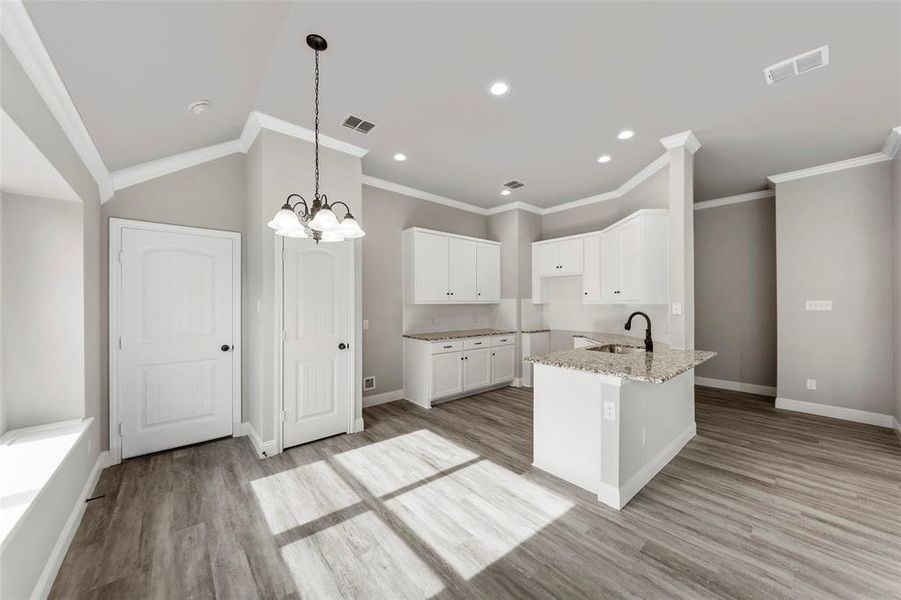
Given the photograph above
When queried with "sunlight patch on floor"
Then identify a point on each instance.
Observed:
(474, 516)
(361, 557)
(388, 466)
(301, 495)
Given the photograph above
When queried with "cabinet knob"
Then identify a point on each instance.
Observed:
(586, 293)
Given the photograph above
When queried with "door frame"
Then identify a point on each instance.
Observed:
(116, 226)
(278, 335)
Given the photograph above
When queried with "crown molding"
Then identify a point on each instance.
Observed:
(420, 194)
(892, 143)
(23, 39)
(257, 121)
(770, 193)
(515, 206)
(686, 138)
(130, 176)
(841, 165)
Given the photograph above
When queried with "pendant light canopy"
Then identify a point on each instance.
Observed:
(294, 220)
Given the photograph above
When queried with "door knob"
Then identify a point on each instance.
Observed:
(343, 346)
(225, 347)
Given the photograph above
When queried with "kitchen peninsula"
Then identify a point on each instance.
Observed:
(609, 415)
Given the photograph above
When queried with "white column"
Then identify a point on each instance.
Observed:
(681, 148)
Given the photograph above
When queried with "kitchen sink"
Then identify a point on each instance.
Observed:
(616, 349)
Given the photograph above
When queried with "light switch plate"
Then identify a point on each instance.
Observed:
(811, 384)
(677, 308)
(818, 305)
(609, 410)
(365, 323)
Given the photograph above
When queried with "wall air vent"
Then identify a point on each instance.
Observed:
(358, 124)
(797, 65)
(513, 185)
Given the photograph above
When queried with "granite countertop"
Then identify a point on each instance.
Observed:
(534, 330)
(661, 365)
(441, 336)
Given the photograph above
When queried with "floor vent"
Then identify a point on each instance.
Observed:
(513, 185)
(797, 65)
(358, 124)
(368, 383)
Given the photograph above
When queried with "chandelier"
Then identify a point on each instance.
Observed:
(317, 220)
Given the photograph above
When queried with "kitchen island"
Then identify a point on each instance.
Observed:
(608, 415)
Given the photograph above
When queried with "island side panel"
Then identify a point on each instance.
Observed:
(567, 425)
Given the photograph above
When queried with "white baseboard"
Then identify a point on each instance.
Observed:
(376, 399)
(263, 449)
(898, 429)
(55, 560)
(516, 382)
(736, 386)
(358, 425)
(835, 412)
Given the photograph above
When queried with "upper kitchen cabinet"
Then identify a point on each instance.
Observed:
(559, 257)
(444, 268)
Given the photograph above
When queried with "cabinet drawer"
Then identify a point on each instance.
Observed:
(446, 346)
(503, 340)
(473, 343)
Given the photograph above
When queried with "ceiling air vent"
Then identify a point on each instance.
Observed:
(358, 124)
(513, 185)
(797, 65)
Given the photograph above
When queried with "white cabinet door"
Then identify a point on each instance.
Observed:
(476, 368)
(570, 257)
(503, 364)
(447, 374)
(610, 266)
(431, 269)
(630, 264)
(488, 273)
(462, 270)
(591, 269)
(548, 262)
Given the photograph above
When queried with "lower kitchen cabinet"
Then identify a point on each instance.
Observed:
(446, 370)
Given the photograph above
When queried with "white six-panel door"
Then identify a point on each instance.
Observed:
(173, 332)
(317, 321)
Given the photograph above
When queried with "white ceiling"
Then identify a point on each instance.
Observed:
(25, 170)
(578, 74)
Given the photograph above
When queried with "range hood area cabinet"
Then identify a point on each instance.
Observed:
(444, 268)
(626, 263)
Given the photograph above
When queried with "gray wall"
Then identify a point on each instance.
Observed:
(735, 291)
(651, 193)
(387, 214)
(530, 226)
(210, 195)
(897, 303)
(504, 228)
(43, 311)
(834, 242)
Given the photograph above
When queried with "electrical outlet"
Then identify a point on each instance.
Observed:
(609, 411)
(677, 308)
(368, 383)
(818, 305)
(365, 323)
(811, 384)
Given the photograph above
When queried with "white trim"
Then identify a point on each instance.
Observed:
(358, 426)
(517, 382)
(761, 195)
(376, 399)
(897, 428)
(513, 206)
(130, 176)
(892, 143)
(257, 121)
(860, 161)
(452, 235)
(685, 138)
(116, 226)
(835, 412)
(420, 194)
(23, 39)
(55, 560)
(263, 449)
(736, 386)
(631, 183)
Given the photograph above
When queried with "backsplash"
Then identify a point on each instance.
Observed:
(428, 318)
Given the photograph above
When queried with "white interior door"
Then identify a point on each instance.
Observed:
(318, 360)
(174, 362)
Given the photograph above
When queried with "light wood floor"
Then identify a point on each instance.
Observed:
(444, 504)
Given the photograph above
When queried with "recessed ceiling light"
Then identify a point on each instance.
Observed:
(400, 157)
(625, 134)
(505, 192)
(200, 107)
(604, 158)
(499, 88)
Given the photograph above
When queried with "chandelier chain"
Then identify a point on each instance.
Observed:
(316, 128)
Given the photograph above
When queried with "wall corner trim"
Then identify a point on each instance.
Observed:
(382, 398)
(263, 449)
(55, 560)
(836, 412)
(685, 138)
(761, 195)
(23, 39)
(892, 143)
